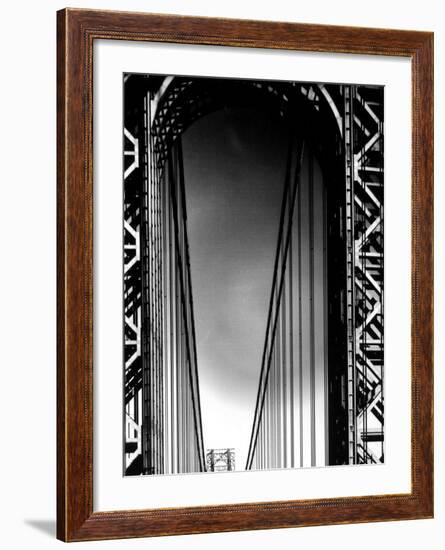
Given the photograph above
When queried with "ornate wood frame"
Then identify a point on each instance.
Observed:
(77, 29)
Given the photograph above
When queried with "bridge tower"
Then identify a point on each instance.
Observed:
(338, 141)
(220, 460)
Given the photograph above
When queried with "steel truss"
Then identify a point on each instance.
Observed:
(365, 173)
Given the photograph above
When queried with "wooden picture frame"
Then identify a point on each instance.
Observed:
(77, 31)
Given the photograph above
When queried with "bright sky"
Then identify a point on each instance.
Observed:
(234, 162)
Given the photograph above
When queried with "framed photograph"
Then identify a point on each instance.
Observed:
(245, 230)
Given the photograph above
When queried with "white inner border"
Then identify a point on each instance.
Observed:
(112, 491)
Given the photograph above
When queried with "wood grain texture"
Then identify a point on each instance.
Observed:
(76, 30)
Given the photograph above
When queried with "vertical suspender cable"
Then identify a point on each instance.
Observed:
(300, 333)
(312, 308)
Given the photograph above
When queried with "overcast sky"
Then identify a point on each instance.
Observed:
(234, 162)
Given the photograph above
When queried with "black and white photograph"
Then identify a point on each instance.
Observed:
(224, 277)
(253, 270)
